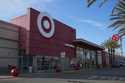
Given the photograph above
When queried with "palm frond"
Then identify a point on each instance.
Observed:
(116, 24)
(90, 2)
(121, 3)
(121, 31)
(120, 10)
(118, 17)
(110, 44)
(122, 34)
(102, 3)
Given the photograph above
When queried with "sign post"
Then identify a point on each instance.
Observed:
(116, 37)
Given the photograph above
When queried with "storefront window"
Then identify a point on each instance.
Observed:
(86, 57)
(79, 52)
(93, 57)
(43, 63)
(46, 63)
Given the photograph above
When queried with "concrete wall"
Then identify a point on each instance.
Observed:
(8, 56)
(22, 21)
(8, 44)
(35, 44)
(50, 46)
(4, 43)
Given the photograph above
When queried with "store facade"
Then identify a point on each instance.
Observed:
(88, 54)
(8, 45)
(44, 43)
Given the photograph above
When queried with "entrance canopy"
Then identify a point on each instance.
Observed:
(86, 44)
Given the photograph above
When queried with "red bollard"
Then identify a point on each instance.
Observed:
(14, 72)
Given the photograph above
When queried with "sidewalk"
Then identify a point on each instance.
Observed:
(100, 74)
(42, 74)
(6, 77)
(74, 73)
(64, 74)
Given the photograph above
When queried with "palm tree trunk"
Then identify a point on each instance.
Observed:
(113, 55)
(110, 55)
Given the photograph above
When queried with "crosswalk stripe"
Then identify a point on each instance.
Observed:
(105, 78)
(121, 78)
(114, 78)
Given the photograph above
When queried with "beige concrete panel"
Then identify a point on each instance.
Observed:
(9, 26)
(6, 62)
(5, 52)
(99, 59)
(8, 44)
(9, 34)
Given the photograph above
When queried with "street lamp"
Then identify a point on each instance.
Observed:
(121, 48)
(117, 37)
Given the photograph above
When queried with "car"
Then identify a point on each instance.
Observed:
(122, 63)
(116, 64)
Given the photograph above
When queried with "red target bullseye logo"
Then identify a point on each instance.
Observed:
(45, 25)
(115, 37)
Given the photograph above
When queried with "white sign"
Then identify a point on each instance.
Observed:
(63, 54)
(45, 25)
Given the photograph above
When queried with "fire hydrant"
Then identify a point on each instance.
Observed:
(14, 72)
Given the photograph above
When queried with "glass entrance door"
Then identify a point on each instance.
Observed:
(42, 63)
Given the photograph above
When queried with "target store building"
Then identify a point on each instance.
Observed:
(44, 42)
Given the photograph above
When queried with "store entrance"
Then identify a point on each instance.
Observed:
(45, 63)
(42, 63)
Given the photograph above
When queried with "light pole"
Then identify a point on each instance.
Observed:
(121, 46)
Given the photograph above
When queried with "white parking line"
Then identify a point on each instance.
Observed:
(105, 78)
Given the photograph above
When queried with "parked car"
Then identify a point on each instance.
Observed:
(116, 65)
(122, 63)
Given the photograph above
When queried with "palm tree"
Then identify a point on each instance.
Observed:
(111, 46)
(118, 17)
(118, 20)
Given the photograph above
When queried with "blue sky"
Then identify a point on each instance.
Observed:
(90, 23)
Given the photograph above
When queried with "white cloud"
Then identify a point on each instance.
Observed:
(89, 22)
(15, 7)
(48, 0)
(93, 23)
(15, 4)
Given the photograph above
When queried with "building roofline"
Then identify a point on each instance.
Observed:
(89, 43)
(67, 26)
(16, 17)
(55, 19)
(8, 23)
(11, 24)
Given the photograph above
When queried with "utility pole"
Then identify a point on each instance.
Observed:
(121, 46)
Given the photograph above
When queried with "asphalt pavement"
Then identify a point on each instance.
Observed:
(110, 75)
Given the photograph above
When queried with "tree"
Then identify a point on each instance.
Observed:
(111, 46)
(118, 17)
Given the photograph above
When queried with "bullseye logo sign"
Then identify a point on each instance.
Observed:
(115, 37)
(45, 25)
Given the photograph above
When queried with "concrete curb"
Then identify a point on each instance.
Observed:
(6, 77)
